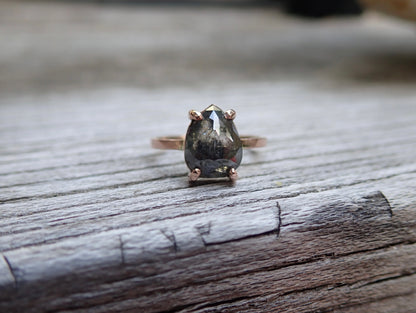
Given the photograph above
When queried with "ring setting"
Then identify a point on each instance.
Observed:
(213, 149)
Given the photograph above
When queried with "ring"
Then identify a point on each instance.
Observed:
(213, 148)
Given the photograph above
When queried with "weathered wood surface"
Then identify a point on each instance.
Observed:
(93, 220)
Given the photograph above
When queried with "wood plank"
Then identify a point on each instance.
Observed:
(92, 219)
(310, 246)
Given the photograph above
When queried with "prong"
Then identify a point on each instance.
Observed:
(195, 115)
(232, 174)
(193, 176)
(230, 114)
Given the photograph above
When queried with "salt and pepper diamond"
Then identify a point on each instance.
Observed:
(213, 148)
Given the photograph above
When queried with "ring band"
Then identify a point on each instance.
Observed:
(177, 142)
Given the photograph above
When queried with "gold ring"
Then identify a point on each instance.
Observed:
(213, 148)
(177, 142)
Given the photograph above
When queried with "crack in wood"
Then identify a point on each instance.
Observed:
(81, 191)
(11, 271)
(278, 218)
(385, 279)
(390, 209)
(204, 230)
(122, 256)
(341, 151)
(220, 242)
(311, 190)
(96, 175)
(68, 166)
(204, 305)
(170, 235)
(349, 306)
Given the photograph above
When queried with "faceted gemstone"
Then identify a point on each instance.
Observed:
(212, 144)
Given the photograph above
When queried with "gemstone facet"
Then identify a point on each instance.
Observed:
(212, 144)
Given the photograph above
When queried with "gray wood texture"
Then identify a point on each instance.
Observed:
(93, 220)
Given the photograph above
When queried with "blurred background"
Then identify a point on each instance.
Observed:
(53, 46)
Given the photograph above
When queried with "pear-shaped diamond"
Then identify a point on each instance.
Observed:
(212, 144)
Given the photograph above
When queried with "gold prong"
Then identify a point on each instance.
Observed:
(232, 174)
(230, 114)
(193, 176)
(195, 115)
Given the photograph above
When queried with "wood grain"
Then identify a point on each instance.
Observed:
(92, 219)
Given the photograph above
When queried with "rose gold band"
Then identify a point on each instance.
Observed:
(177, 142)
(253, 141)
(168, 142)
